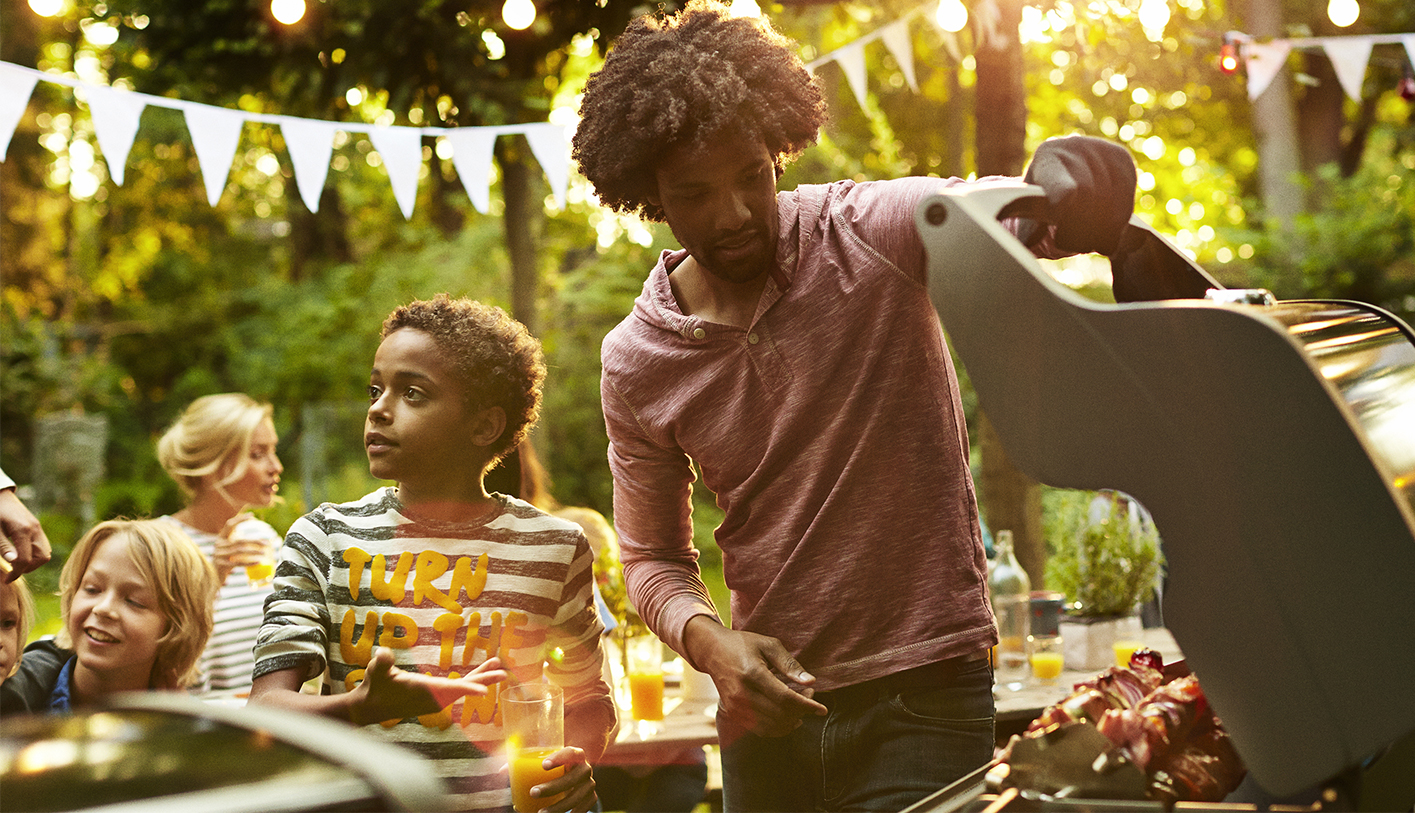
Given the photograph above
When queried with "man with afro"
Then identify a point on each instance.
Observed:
(790, 351)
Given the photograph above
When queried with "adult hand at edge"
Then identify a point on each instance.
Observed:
(751, 673)
(23, 543)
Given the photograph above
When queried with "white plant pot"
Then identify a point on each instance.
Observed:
(1088, 644)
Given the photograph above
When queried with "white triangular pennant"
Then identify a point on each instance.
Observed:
(471, 155)
(851, 59)
(16, 86)
(115, 116)
(548, 145)
(950, 43)
(1264, 60)
(901, 47)
(216, 132)
(1409, 42)
(402, 152)
(310, 144)
(1349, 56)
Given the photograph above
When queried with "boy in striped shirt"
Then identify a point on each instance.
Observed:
(414, 601)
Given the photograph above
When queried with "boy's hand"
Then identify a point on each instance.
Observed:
(761, 687)
(389, 693)
(572, 791)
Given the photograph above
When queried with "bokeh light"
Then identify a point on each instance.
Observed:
(745, 8)
(519, 14)
(46, 8)
(951, 16)
(1343, 12)
(287, 12)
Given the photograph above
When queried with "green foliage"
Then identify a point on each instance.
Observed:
(1360, 246)
(1104, 568)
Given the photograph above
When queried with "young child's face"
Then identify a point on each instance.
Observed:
(114, 619)
(418, 430)
(10, 643)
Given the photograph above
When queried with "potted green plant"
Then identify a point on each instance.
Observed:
(1105, 562)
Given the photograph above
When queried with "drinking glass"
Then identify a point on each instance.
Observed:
(645, 677)
(260, 572)
(1044, 651)
(533, 719)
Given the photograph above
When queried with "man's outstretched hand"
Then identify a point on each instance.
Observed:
(1090, 188)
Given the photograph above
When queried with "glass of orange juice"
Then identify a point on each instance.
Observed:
(645, 677)
(261, 570)
(1044, 651)
(533, 719)
(1123, 651)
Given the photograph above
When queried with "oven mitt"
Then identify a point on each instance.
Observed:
(1090, 189)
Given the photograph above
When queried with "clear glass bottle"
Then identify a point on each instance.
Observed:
(1010, 590)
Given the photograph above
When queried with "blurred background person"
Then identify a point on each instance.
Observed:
(221, 452)
(16, 616)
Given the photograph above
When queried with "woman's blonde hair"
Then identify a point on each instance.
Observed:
(180, 575)
(211, 430)
(26, 602)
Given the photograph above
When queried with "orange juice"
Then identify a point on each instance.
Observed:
(646, 695)
(1046, 665)
(526, 773)
(260, 574)
(1123, 651)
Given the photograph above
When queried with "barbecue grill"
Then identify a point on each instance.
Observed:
(1272, 442)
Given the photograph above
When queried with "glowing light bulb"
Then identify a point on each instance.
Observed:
(951, 16)
(745, 8)
(287, 12)
(1154, 15)
(46, 8)
(1343, 12)
(519, 14)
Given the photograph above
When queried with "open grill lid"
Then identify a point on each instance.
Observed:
(1273, 445)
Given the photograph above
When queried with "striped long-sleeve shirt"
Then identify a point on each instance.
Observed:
(445, 597)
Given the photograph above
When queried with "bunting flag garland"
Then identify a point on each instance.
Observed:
(1349, 57)
(895, 35)
(15, 90)
(216, 133)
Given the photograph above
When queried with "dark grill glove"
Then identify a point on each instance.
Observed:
(1090, 188)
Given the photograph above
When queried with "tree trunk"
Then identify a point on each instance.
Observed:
(1275, 127)
(1012, 500)
(513, 157)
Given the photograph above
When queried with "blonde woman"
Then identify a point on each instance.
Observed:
(221, 452)
(136, 598)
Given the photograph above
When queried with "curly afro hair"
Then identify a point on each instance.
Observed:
(688, 79)
(500, 361)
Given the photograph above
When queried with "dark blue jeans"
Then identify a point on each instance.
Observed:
(886, 744)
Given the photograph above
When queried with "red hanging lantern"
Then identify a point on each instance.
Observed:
(1407, 86)
(1228, 60)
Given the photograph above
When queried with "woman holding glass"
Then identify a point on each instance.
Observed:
(221, 452)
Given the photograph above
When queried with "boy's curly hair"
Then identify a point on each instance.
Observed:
(499, 360)
(688, 79)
